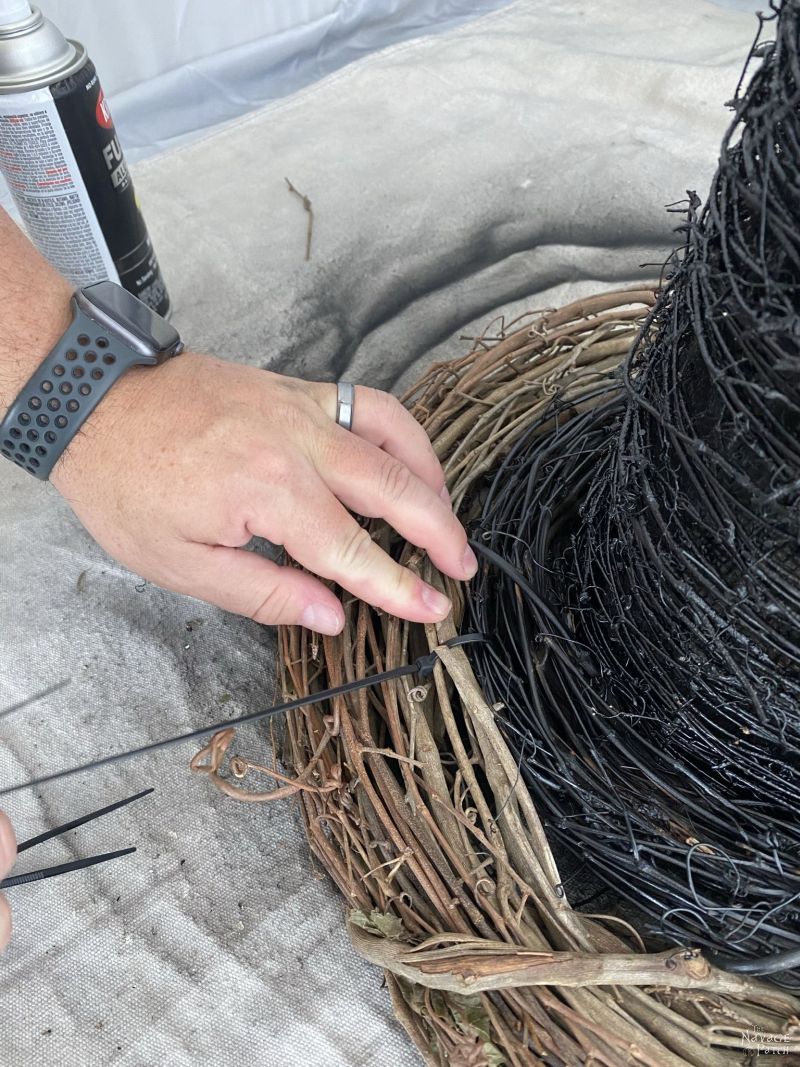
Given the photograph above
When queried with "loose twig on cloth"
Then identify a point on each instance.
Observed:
(310, 212)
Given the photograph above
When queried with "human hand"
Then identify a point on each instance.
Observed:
(8, 856)
(183, 464)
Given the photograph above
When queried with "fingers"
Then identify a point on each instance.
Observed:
(248, 584)
(387, 468)
(330, 542)
(8, 855)
(375, 484)
(382, 420)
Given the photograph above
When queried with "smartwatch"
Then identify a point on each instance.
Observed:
(111, 332)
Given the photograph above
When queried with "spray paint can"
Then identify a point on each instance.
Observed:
(62, 160)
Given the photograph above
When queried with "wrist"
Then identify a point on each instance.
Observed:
(34, 311)
(123, 414)
(25, 343)
(109, 334)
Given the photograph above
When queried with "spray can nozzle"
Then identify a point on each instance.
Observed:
(12, 11)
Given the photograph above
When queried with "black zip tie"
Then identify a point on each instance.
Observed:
(75, 823)
(423, 666)
(72, 865)
(63, 868)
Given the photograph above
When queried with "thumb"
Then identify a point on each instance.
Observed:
(247, 584)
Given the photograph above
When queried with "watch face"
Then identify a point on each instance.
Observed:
(118, 306)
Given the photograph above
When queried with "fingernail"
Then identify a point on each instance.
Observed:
(469, 561)
(434, 600)
(321, 619)
(443, 493)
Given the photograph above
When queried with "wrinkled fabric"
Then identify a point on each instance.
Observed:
(512, 163)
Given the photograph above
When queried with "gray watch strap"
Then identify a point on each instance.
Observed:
(63, 392)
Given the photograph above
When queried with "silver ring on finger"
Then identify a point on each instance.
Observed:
(345, 402)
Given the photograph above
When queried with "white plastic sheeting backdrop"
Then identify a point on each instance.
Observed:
(172, 67)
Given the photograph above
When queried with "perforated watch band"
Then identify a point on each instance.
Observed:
(63, 392)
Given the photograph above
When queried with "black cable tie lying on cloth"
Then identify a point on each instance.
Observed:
(423, 666)
(72, 865)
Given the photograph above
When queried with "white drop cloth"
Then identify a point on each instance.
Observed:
(509, 163)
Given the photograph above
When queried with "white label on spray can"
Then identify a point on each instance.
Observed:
(39, 165)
